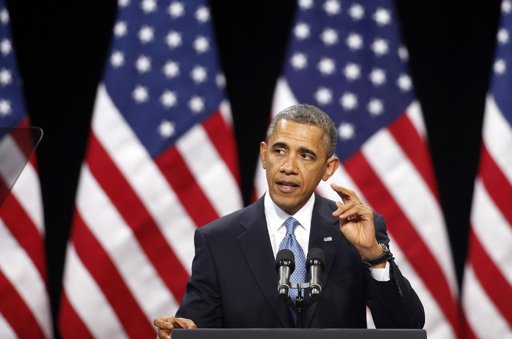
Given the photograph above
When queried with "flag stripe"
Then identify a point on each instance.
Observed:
(491, 279)
(6, 331)
(497, 137)
(496, 184)
(404, 232)
(26, 190)
(466, 330)
(435, 319)
(77, 328)
(221, 136)
(492, 230)
(112, 285)
(183, 182)
(89, 303)
(136, 216)
(412, 196)
(218, 185)
(20, 270)
(16, 311)
(416, 149)
(485, 320)
(120, 243)
(25, 233)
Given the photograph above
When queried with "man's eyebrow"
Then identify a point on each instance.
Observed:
(279, 144)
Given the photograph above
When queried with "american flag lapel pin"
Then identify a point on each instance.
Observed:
(327, 239)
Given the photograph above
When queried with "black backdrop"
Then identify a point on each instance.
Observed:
(61, 47)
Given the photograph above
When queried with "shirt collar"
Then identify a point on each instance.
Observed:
(276, 216)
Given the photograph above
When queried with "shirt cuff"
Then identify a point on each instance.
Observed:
(381, 274)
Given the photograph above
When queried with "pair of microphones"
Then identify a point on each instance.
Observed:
(285, 265)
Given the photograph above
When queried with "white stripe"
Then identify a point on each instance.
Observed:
(341, 178)
(493, 230)
(26, 189)
(12, 160)
(119, 242)
(497, 135)
(88, 301)
(260, 180)
(144, 177)
(483, 317)
(24, 276)
(283, 96)
(28, 194)
(436, 323)
(413, 196)
(414, 114)
(225, 112)
(210, 170)
(5, 329)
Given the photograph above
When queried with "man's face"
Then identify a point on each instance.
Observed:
(295, 160)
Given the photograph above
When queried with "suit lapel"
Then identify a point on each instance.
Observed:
(324, 235)
(257, 250)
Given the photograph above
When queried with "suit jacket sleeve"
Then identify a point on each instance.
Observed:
(393, 303)
(202, 302)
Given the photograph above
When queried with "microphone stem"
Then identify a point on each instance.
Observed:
(299, 304)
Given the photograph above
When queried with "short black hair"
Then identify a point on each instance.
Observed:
(308, 115)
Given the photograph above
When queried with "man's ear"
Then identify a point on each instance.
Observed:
(332, 165)
(263, 153)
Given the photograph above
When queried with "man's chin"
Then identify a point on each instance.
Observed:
(287, 204)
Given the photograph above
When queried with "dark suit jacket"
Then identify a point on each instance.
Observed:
(234, 282)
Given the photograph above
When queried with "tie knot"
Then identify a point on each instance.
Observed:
(291, 224)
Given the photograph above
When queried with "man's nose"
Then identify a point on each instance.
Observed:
(289, 165)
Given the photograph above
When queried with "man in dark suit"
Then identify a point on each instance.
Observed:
(234, 283)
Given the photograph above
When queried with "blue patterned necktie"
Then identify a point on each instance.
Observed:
(290, 242)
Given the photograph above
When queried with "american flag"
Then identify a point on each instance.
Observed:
(24, 300)
(347, 58)
(161, 161)
(487, 285)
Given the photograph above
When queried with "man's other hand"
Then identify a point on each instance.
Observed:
(166, 324)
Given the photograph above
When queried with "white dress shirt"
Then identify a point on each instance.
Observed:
(275, 218)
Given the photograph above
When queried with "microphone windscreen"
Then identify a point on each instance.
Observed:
(285, 255)
(315, 254)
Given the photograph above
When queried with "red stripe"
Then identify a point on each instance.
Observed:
(466, 330)
(491, 278)
(254, 195)
(496, 184)
(416, 251)
(221, 135)
(192, 197)
(70, 324)
(16, 312)
(105, 273)
(24, 231)
(135, 214)
(416, 149)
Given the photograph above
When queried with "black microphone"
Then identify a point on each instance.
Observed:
(285, 264)
(315, 264)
